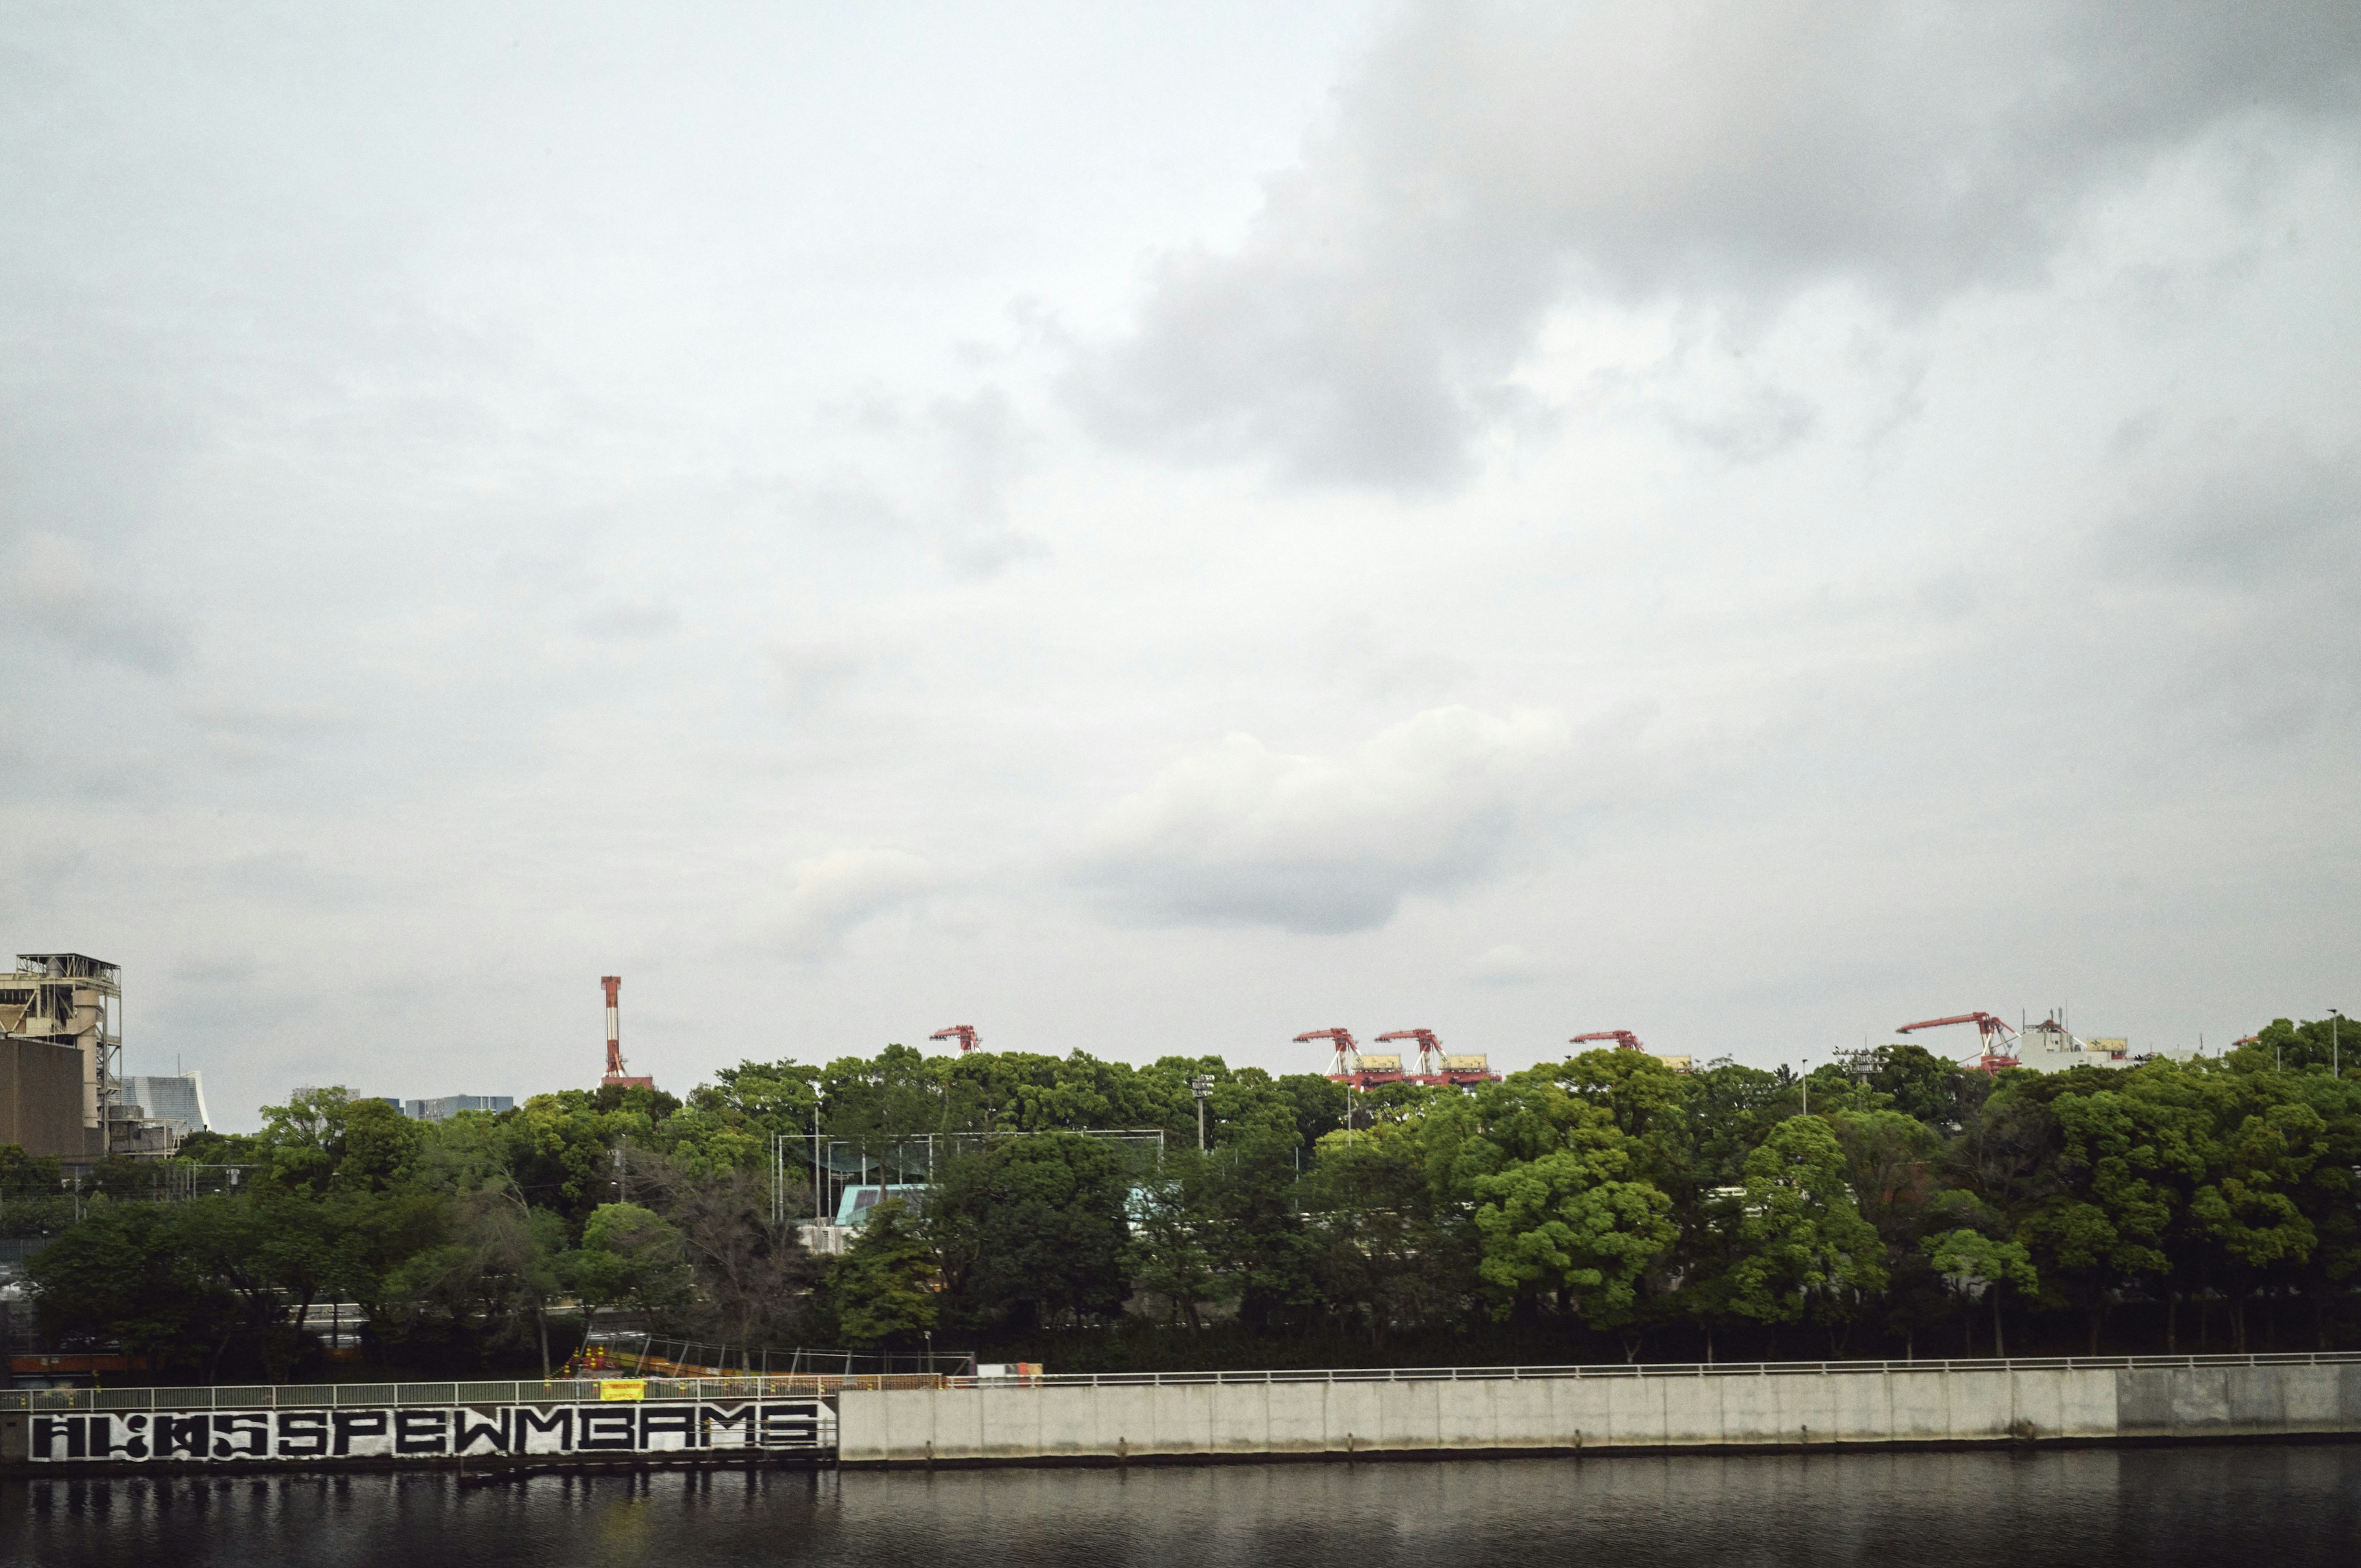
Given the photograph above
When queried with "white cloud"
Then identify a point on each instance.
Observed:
(833, 894)
(1240, 835)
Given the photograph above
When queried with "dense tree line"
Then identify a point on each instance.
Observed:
(1602, 1206)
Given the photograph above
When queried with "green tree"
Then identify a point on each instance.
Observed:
(130, 1274)
(1574, 1222)
(751, 1269)
(885, 1286)
(1262, 1249)
(1031, 1230)
(326, 1139)
(1807, 1252)
(631, 1257)
(1980, 1262)
(1170, 1252)
(1926, 1086)
(1384, 1251)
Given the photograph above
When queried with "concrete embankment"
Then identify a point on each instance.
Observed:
(1115, 1421)
(1190, 1418)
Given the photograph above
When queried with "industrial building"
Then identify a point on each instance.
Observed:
(62, 1092)
(60, 1017)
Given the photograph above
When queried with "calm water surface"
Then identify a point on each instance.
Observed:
(2243, 1507)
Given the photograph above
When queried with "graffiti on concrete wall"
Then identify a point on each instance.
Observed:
(431, 1432)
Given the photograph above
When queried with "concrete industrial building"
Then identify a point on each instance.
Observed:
(60, 1015)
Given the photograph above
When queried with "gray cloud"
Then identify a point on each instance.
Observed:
(2240, 511)
(1509, 964)
(1237, 834)
(59, 591)
(1489, 160)
(630, 623)
(830, 896)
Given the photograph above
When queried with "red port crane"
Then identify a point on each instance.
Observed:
(1625, 1040)
(964, 1033)
(1430, 1051)
(1345, 1062)
(1996, 1035)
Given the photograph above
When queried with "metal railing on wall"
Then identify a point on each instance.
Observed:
(1679, 1369)
(722, 1389)
(379, 1396)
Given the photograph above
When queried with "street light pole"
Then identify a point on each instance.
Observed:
(1201, 1086)
(2335, 1018)
(1806, 1081)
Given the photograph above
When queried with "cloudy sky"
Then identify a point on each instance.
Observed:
(1152, 529)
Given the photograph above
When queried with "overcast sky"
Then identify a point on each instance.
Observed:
(1151, 529)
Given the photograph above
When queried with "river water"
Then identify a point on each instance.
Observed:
(2245, 1507)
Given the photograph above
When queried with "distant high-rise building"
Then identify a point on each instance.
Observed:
(450, 1105)
(179, 1099)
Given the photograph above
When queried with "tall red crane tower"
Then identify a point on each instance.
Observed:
(1345, 1061)
(1625, 1040)
(964, 1033)
(1996, 1035)
(1430, 1052)
(616, 1076)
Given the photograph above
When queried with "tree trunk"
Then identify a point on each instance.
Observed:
(541, 1317)
(2000, 1346)
(1708, 1344)
(2171, 1322)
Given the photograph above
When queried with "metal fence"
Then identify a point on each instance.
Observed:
(320, 1396)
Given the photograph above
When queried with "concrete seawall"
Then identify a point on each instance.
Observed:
(1120, 1420)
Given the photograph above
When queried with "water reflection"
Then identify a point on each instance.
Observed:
(2285, 1504)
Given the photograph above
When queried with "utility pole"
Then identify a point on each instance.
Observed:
(1201, 1086)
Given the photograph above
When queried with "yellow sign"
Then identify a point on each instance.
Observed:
(623, 1388)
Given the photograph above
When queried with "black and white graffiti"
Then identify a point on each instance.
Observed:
(431, 1432)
